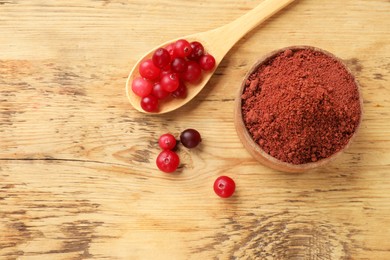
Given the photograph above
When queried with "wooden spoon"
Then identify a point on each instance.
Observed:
(216, 42)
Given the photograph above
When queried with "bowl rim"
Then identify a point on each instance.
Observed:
(255, 150)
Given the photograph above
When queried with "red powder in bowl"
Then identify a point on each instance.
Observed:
(301, 105)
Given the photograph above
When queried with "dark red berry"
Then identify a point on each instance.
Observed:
(179, 65)
(161, 58)
(193, 73)
(197, 51)
(158, 91)
(167, 161)
(224, 186)
(181, 91)
(190, 138)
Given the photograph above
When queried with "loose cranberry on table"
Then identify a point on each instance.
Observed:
(224, 186)
(167, 161)
(167, 142)
(190, 138)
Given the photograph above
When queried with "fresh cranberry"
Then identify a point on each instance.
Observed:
(167, 142)
(149, 103)
(167, 161)
(171, 50)
(190, 138)
(224, 186)
(197, 51)
(207, 62)
(179, 65)
(181, 91)
(182, 48)
(170, 82)
(141, 87)
(161, 58)
(193, 73)
(148, 70)
(158, 91)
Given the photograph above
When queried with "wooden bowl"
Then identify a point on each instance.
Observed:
(255, 150)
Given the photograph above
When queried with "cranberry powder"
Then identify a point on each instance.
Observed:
(301, 105)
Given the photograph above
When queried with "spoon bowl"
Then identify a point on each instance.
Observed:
(170, 104)
(216, 42)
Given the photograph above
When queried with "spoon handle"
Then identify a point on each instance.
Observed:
(226, 36)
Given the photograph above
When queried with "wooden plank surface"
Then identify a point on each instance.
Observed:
(77, 172)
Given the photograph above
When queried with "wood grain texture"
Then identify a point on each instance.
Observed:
(77, 172)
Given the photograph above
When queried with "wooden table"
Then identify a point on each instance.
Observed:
(77, 163)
